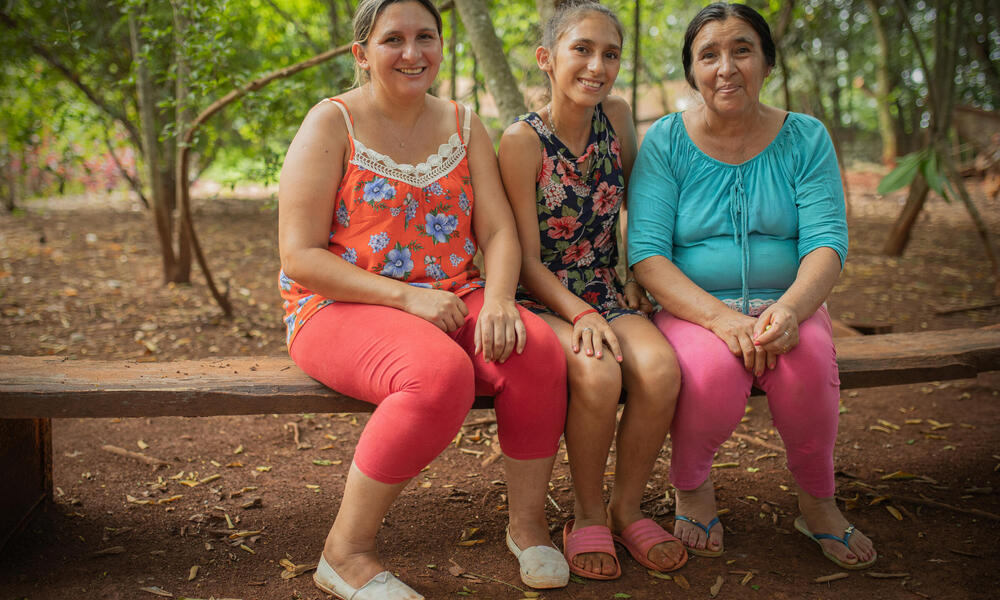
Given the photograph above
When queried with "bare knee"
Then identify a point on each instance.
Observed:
(653, 375)
(595, 384)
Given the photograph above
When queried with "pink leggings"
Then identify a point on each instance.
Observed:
(424, 381)
(802, 391)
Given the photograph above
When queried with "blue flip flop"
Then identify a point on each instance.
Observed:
(800, 524)
(701, 551)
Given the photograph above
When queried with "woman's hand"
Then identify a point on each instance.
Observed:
(499, 330)
(737, 331)
(443, 309)
(776, 331)
(591, 332)
(634, 297)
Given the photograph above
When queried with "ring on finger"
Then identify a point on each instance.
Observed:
(786, 334)
(587, 329)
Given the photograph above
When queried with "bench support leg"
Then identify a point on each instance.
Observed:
(26, 469)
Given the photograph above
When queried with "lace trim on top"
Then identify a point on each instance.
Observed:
(420, 175)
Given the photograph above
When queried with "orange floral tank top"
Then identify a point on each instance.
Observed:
(408, 222)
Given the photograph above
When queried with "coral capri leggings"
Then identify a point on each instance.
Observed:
(424, 381)
(803, 393)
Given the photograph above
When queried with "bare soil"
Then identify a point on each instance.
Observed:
(82, 278)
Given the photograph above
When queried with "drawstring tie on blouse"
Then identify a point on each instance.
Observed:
(739, 212)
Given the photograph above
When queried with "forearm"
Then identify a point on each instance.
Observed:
(676, 293)
(502, 257)
(328, 275)
(546, 287)
(817, 274)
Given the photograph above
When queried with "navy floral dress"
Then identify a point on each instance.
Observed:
(578, 200)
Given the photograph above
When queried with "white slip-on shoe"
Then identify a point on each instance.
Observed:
(542, 567)
(384, 586)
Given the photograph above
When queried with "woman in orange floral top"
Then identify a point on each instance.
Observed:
(385, 196)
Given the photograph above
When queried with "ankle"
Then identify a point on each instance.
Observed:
(621, 515)
(590, 514)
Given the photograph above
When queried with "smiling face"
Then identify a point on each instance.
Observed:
(403, 53)
(584, 63)
(728, 66)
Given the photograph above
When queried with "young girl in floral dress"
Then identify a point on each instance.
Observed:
(564, 169)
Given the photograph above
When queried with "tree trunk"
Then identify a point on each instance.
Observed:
(181, 118)
(489, 52)
(899, 237)
(780, 29)
(636, 61)
(148, 133)
(452, 45)
(886, 129)
(941, 92)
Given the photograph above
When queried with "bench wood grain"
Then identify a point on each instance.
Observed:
(47, 387)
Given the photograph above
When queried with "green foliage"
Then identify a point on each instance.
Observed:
(928, 163)
(828, 49)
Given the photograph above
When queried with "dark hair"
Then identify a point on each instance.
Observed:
(571, 12)
(720, 11)
(367, 14)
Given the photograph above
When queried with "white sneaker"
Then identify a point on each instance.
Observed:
(383, 586)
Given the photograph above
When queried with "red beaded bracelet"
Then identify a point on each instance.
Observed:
(586, 312)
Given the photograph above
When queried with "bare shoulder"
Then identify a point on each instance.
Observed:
(618, 110)
(520, 141)
(325, 120)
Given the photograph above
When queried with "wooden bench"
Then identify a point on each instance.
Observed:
(34, 390)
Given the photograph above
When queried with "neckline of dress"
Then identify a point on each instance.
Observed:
(707, 156)
(590, 136)
(449, 147)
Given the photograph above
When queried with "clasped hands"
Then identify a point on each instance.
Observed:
(759, 340)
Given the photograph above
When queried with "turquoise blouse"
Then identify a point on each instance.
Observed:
(737, 231)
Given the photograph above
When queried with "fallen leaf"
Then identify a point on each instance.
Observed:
(899, 475)
(725, 465)
(659, 575)
(142, 445)
(828, 578)
(455, 569)
(716, 587)
(158, 591)
(682, 581)
(894, 512)
(876, 575)
(110, 551)
(193, 572)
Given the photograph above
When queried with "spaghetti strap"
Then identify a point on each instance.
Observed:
(466, 125)
(463, 128)
(348, 119)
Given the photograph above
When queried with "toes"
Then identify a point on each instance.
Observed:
(715, 538)
(666, 554)
(595, 562)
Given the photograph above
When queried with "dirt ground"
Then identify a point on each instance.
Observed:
(80, 277)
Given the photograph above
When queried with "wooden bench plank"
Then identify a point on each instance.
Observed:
(41, 387)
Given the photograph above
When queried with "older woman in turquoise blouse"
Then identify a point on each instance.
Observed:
(737, 229)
